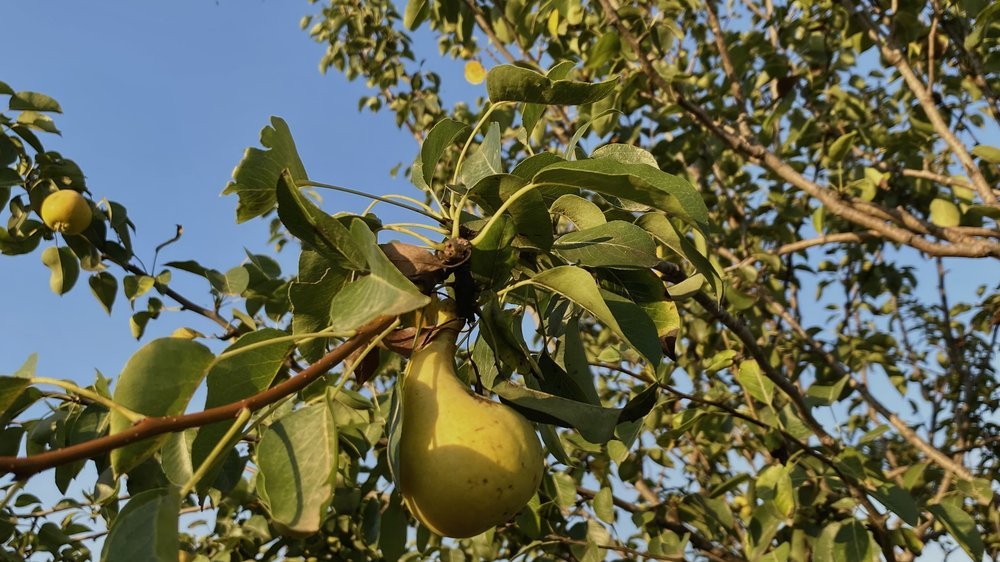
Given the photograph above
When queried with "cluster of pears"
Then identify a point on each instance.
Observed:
(467, 463)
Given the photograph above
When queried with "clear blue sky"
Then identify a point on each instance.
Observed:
(159, 103)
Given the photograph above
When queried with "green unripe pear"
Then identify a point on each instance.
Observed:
(467, 463)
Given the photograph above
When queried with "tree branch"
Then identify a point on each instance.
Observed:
(23, 467)
(898, 59)
(839, 206)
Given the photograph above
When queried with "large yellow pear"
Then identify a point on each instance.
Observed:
(466, 463)
(66, 211)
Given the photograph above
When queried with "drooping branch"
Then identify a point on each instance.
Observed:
(23, 467)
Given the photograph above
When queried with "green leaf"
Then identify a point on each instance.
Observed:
(315, 228)
(136, 286)
(840, 147)
(626, 154)
(686, 288)
(384, 292)
(104, 287)
(595, 423)
(494, 257)
(622, 316)
(617, 244)
(825, 394)
(256, 176)
(158, 380)
(532, 112)
(234, 378)
(604, 506)
(441, 136)
(774, 484)
(485, 161)
(606, 48)
(297, 461)
(394, 430)
(507, 82)
(945, 214)
(146, 529)
(752, 378)
(779, 554)
(33, 101)
(645, 289)
(11, 390)
(573, 358)
(64, 266)
(310, 296)
(237, 280)
(415, 14)
(856, 543)
(393, 529)
(899, 501)
(978, 489)
(763, 526)
(8, 178)
(581, 212)
(961, 526)
(38, 121)
(989, 153)
(531, 221)
(636, 182)
(176, 457)
(663, 230)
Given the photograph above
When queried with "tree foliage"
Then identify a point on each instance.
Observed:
(704, 247)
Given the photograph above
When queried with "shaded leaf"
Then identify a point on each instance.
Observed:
(384, 292)
(231, 379)
(316, 229)
(513, 83)
(636, 182)
(104, 287)
(622, 316)
(64, 266)
(146, 529)
(616, 244)
(297, 461)
(441, 136)
(158, 380)
(961, 526)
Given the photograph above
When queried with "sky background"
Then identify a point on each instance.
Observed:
(159, 104)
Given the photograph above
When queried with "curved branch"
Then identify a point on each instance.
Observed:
(23, 467)
(871, 218)
(897, 58)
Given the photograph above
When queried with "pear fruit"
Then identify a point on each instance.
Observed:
(66, 211)
(466, 463)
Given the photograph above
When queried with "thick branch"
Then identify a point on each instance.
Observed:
(758, 153)
(898, 59)
(23, 467)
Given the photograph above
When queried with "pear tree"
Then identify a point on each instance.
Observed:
(695, 260)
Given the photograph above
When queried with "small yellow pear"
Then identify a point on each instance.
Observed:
(467, 463)
(474, 72)
(66, 211)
